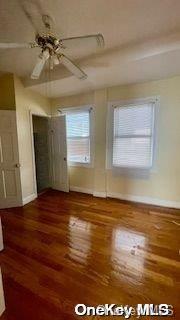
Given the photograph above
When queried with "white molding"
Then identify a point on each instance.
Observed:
(145, 200)
(91, 109)
(32, 153)
(129, 197)
(99, 194)
(79, 189)
(80, 164)
(29, 198)
(31, 114)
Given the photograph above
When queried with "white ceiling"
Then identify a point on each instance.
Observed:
(129, 27)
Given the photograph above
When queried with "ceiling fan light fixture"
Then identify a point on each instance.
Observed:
(51, 63)
(56, 42)
(38, 68)
(45, 54)
(55, 60)
(100, 40)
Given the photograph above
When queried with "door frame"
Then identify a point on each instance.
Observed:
(31, 114)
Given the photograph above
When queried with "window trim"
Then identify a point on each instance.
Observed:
(110, 133)
(67, 110)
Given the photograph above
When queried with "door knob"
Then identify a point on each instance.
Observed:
(65, 159)
(17, 165)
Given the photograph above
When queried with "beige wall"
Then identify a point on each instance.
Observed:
(162, 183)
(7, 95)
(27, 100)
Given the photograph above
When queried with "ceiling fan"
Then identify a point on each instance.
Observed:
(52, 47)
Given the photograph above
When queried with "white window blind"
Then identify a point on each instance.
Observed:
(133, 136)
(78, 136)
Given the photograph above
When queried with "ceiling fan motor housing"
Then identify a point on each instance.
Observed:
(47, 41)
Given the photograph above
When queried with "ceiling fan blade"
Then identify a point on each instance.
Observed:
(38, 68)
(72, 67)
(6, 45)
(40, 64)
(93, 40)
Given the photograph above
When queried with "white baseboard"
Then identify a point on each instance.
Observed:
(99, 194)
(79, 189)
(88, 191)
(29, 198)
(146, 200)
(129, 197)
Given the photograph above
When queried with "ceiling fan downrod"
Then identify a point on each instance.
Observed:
(47, 21)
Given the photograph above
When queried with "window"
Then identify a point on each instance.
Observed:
(78, 136)
(133, 136)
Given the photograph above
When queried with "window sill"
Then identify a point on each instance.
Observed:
(80, 164)
(131, 172)
(132, 168)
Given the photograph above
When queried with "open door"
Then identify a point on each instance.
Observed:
(10, 183)
(58, 145)
(2, 302)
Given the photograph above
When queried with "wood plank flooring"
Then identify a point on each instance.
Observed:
(63, 249)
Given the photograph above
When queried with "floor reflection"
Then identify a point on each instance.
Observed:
(126, 254)
(79, 240)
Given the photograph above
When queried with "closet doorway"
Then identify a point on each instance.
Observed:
(41, 152)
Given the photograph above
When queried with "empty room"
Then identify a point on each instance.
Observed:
(89, 159)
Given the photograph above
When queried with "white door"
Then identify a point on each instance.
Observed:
(2, 302)
(59, 153)
(10, 183)
(1, 237)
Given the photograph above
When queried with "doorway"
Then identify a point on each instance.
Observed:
(41, 152)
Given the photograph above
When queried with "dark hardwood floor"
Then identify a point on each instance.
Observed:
(64, 249)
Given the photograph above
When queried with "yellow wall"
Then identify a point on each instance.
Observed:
(27, 100)
(7, 95)
(162, 183)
